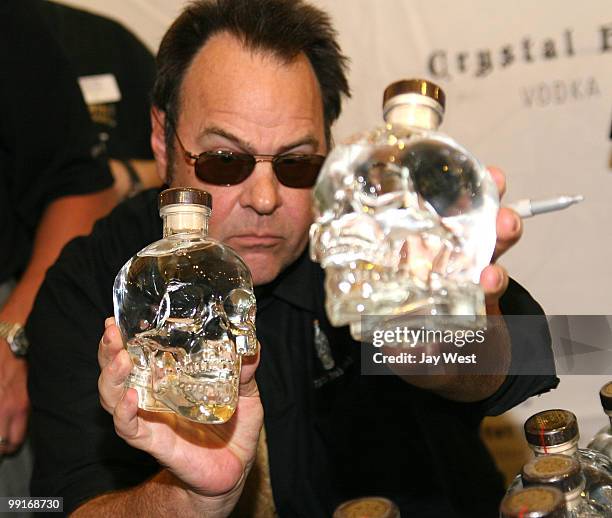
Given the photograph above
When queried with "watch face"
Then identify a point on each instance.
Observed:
(19, 344)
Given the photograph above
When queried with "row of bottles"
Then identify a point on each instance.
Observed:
(581, 476)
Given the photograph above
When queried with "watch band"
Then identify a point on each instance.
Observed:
(136, 184)
(7, 329)
(14, 334)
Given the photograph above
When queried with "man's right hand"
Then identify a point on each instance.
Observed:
(14, 402)
(211, 460)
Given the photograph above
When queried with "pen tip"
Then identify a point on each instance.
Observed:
(578, 198)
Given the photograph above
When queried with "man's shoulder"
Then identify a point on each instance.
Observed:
(518, 301)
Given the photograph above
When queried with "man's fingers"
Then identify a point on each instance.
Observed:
(125, 415)
(499, 178)
(249, 366)
(112, 379)
(509, 228)
(248, 386)
(494, 281)
(110, 343)
(249, 389)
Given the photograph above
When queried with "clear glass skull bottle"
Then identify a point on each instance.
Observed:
(186, 310)
(602, 441)
(556, 431)
(405, 216)
(534, 502)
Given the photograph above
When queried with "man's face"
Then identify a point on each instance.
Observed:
(249, 101)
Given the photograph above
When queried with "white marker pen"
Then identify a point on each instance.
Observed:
(529, 208)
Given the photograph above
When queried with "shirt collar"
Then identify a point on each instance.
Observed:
(298, 284)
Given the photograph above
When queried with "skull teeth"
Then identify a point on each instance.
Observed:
(208, 393)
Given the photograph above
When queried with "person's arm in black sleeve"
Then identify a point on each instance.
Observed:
(532, 368)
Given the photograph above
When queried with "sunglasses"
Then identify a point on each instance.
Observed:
(299, 171)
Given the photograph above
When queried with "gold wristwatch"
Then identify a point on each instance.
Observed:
(14, 334)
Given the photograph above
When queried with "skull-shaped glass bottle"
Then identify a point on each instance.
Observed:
(553, 432)
(533, 502)
(186, 310)
(405, 216)
(603, 439)
(565, 473)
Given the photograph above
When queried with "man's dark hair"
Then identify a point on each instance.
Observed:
(283, 27)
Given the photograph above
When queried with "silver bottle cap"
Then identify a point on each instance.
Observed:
(533, 502)
(185, 196)
(605, 395)
(551, 428)
(367, 507)
(407, 90)
(560, 471)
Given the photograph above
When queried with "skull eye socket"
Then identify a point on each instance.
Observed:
(182, 301)
(447, 179)
(381, 180)
(239, 306)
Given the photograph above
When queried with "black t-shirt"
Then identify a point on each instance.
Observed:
(333, 434)
(96, 45)
(46, 137)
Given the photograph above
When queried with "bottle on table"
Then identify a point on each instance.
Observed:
(556, 432)
(367, 507)
(405, 216)
(534, 502)
(186, 310)
(602, 441)
(564, 473)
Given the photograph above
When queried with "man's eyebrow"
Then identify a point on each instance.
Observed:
(308, 140)
(215, 130)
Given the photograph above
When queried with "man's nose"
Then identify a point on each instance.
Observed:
(261, 190)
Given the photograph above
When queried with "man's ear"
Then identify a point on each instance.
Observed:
(158, 142)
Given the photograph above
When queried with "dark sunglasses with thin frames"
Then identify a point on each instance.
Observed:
(220, 167)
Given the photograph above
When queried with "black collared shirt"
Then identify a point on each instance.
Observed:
(333, 434)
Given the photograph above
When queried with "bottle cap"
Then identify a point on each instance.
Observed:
(533, 502)
(367, 507)
(605, 395)
(551, 428)
(414, 86)
(185, 196)
(560, 471)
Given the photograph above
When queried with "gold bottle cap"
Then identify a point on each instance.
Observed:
(551, 428)
(185, 196)
(560, 471)
(605, 395)
(533, 502)
(367, 507)
(415, 86)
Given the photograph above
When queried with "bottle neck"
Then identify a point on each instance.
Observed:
(569, 448)
(573, 498)
(414, 110)
(185, 219)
